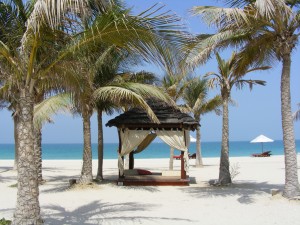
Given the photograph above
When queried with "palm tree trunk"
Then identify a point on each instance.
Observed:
(199, 162)
(16, 124)
(100, 146)
(28, 208)
(86, 171)
(224, 173)
(171, 162)
(38, 152)
(291, 188)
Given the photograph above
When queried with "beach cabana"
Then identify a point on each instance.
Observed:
(136, 131)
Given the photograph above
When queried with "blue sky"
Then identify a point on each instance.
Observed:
(258, 111)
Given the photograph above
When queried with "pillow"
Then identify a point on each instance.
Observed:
(144, 172)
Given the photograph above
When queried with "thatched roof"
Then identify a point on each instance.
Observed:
(168, 116)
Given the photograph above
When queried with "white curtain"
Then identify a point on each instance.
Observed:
(187, 143)
(176, 139)
(130, 139)
(187, 138)
(145, 143)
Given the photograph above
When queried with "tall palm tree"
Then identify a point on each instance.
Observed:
(196, 98)
(109, 62)
(24, 52)
(104, 74)
(266, 31)
(225, 79)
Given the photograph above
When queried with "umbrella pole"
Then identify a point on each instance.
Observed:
(262, 147)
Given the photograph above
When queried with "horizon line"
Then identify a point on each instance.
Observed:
(153, 142)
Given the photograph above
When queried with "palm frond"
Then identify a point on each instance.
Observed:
(148, 37)
(50, 107)
(212, 104)
(269, 8)
(296, 115)
(148, 91)
(122, 96)
(219, 17)
(257, 52)
(199, 53)
(241, 83)
(140, 77)
(238, 3)
(258, 68)
(6, 53)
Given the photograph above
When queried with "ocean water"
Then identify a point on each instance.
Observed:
(155, 150)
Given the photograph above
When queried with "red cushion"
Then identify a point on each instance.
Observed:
(144, 172)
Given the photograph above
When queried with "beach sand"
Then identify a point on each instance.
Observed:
(246, 201)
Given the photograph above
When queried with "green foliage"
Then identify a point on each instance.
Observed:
(231, 74)
(196, 97)
(5, 222)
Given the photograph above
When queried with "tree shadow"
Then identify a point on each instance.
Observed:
(64, 179)
(7, 179)
(64, 185)
(244, 191)
(4, 169)
(142, 188)
(99, 212)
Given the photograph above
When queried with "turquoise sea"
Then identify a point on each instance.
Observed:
(155, 150)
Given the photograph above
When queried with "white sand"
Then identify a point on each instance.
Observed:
(247, 201)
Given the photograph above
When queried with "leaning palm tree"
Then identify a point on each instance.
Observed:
(24, 52)
(225, 79)
(196, 98)
(266, 31)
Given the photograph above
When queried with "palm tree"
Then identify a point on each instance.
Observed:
(174, 86)
(195, 96)
(266, 31)
(296, 115)
(226, 78)
(109, 62)
(25, 53)
(104, 74)
(43, 113)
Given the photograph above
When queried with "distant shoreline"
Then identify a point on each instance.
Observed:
(155, 150)
(75, 143)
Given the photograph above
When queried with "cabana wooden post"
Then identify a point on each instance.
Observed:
(171, 120)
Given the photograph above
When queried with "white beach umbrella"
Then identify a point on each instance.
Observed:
(261, 139)
(192, 139)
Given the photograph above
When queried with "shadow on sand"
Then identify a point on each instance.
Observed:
(63, 184)
(245, 191)
(99, 213)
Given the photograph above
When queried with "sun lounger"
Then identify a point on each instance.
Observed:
(192, 156)
(177, 157)
(264, 154)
